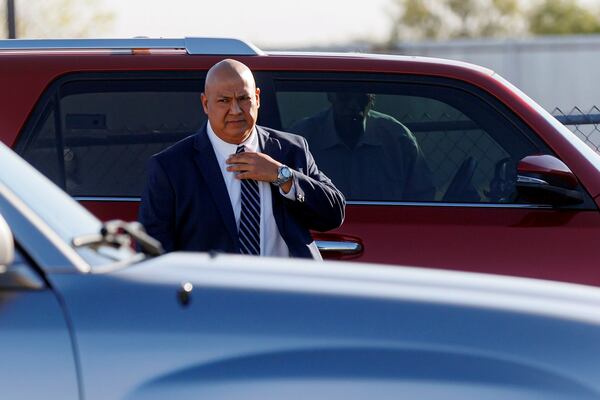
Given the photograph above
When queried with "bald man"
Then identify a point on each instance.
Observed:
(235, 186)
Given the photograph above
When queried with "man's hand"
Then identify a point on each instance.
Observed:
(257, 166)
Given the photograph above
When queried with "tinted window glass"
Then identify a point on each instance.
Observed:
(43, 152)
(108, 129)
(385, 141)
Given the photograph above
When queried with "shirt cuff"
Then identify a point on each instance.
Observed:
(291, 195)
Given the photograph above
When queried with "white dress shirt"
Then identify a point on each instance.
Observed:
(271, 242)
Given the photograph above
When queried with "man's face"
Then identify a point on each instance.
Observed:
(350, 106)
(231, 103)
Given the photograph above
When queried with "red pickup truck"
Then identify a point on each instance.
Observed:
(510, 190)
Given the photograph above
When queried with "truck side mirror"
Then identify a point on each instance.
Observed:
(544, 179)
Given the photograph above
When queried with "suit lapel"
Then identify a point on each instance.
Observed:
(208, 166)
(269, 145)
(272, 147)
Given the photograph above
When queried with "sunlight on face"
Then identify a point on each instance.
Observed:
(231, 101)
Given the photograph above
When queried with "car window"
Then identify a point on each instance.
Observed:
(94, 136)
(391, 141)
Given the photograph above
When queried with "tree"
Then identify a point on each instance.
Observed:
(58, 19)
(416, 21)
(449, 19)
(563, 17)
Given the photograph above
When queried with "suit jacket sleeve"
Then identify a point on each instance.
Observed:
(156, 212)
(318, 205)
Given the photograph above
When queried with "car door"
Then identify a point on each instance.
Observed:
(37, 358)
(470, 144)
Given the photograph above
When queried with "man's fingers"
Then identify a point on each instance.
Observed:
(243, 175)
(243, 172)
(240, 167)
(256, 166)
(236, 160)
(241, 158)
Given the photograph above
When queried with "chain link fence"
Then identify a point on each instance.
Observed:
(586, 125)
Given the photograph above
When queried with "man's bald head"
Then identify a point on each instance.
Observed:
(228, 69)
(231, 100)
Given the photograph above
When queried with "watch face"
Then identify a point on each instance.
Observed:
(286, 172)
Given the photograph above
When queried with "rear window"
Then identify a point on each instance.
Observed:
(92, 137)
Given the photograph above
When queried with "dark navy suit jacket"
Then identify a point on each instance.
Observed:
(186, 206)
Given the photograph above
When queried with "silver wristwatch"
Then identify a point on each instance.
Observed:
(284, 174)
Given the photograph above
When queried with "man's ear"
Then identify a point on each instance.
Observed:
(257, 97)
(204, 101)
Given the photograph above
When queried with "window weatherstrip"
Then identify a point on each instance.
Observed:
(362, 203)
(107, 199)
(445, 204)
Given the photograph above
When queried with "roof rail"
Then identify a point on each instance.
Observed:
(193, 45)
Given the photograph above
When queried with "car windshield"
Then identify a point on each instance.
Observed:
(58, 210)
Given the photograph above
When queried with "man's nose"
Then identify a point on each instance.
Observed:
(235, 107)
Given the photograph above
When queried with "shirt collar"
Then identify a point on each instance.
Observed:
(224, 149)
(370, 136)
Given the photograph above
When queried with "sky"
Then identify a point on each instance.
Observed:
(266, 23)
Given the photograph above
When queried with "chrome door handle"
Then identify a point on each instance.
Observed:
(338, 247)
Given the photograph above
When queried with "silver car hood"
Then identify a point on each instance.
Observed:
(361, 280)
(258, 328)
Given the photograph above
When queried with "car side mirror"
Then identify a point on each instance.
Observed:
(544, 179)
(7, 245)
(13, 273)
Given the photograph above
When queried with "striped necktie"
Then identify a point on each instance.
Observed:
(249, 230)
